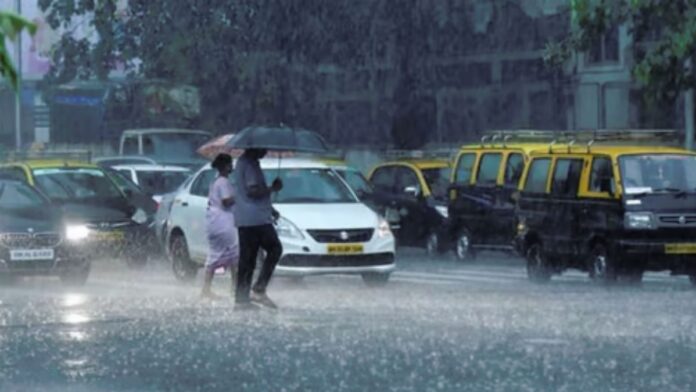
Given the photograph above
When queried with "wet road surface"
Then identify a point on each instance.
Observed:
(438, 325)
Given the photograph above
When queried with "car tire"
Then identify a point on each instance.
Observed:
(462, 246)
(538, 270)
(375, 279)
(602, 266)
(183, 268)
(432, 245)
(76, 276)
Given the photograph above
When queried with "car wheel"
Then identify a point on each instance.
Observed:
(432, 245)
(182, 266)
(76, 276)
(375, 279)
(462, 248)
(602, 266)
(538, 270)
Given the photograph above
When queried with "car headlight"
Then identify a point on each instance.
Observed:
(139, 217)
(639, 220)
(442, 210)
(287, 229)
(76, 232)
(383, 229)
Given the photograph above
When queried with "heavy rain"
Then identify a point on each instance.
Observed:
(397, 195)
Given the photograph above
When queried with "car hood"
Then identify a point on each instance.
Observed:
(94, 214)
(329, 216)
(37, 220)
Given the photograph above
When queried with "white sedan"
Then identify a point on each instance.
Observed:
(156, 180)
(323, 227)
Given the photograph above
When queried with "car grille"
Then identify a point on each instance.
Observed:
(30, 240)
(341, 236)
(107, 226)
(674, 220)
(337, 261)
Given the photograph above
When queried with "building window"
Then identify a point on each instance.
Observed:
(606, 49)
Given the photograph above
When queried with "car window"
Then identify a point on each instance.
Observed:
(13, 173)
(130, 146)
(148, 146)
(201, 185)
(75, 184)
(356, 181)
(566, 177)
(438, 180)
(383, 179)
(538, 174)
(18, 196)
(310, 186)
(407, 178)
(158, 182)
(465, 166)
(488, 169)
(513, 169)
(602, 176)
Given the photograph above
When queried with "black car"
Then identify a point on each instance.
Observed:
(35, 239)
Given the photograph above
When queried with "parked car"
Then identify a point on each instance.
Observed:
(324, 228)
(155, 180)
(166, 146)
(36, 239)
(413, 195)
(85, 191)
(614, 211)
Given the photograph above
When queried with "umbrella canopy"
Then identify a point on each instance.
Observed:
(280, 138)
(219, 145)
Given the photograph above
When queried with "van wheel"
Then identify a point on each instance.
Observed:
(182, 266)
(602, 266)
(538, 270)
(432, 245)
(462, 248)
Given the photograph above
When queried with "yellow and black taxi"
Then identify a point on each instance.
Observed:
(35, 239)
(412, 193)
(86, 193)
(481, 205)
(613, 211)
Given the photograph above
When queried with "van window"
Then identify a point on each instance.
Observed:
(602, 176)
(488, 169)
(130, 146)
(538, 173)
(566, 177)
(464, 168)
(407, 178)
(513, 169)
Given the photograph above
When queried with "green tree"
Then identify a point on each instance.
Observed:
(664, 34)
(11, 26)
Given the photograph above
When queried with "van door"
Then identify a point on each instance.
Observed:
(504, 221)
(484, 226)
(565, 207)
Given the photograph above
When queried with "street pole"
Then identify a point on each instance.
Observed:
(689, 119)
(18, 92)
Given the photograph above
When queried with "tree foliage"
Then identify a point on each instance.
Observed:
(11, 26)
(664, 33)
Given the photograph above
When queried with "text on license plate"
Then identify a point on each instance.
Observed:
(109, 236)
(344, 249)
(31, 254)
(680, 249)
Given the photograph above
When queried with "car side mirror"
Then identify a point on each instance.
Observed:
(413, 191)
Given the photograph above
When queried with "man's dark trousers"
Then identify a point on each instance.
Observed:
(251, 239)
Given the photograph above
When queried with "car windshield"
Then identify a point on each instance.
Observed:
(158, 182)
(356, 181)
(167, 145)
(19, 196)
(438, 180)
(75, 184)
(310, 186)
(658, 173)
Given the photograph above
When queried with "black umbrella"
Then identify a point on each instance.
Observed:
(280, 138)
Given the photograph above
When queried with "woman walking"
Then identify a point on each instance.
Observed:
(223, 239)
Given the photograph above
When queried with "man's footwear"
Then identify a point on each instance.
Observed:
(210, 295)
(262, 299)
(245, 306)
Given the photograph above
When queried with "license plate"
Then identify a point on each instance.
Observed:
(108, 236)
(31, 254)
(680, 249)
(345, 249)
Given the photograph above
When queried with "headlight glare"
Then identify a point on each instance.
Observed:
(76, 232)
(639, 220)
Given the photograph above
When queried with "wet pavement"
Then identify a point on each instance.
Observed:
(438, 325)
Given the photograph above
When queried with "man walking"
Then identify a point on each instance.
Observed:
(254, 215)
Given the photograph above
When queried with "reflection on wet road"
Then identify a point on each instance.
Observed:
(439, 325)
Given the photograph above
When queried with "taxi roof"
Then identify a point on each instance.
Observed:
(526, 148)
(420, 163)
(50, 163)
(611, 150)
